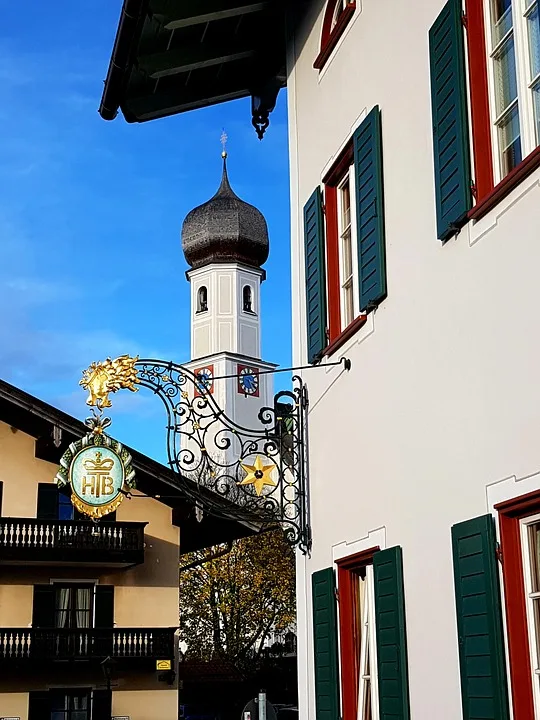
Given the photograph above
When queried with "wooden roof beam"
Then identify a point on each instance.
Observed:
(194, 57)
(194, 12)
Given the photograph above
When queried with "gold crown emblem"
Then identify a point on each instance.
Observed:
(99, 464)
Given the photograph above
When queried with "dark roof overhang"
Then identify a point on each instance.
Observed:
(171, 56)
(54, 430)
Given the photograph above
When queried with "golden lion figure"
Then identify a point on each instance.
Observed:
(107, 377)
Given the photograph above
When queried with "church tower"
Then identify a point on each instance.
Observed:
(225, 243)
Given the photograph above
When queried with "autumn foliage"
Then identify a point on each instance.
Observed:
(230, 606)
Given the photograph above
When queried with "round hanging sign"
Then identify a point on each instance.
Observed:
(96, 475)
(99, 471)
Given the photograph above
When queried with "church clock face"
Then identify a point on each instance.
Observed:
(248, 380)
(205, 380)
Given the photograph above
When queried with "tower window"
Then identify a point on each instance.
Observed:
(248, 299)
(202, 299)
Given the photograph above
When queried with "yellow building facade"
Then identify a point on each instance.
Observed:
(88, 611)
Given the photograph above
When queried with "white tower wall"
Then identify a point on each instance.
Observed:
(225, 323)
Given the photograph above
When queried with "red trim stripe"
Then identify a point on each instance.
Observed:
(349, 632)
(478, 82)
(332, 261)
(515, 603)
(330, 36)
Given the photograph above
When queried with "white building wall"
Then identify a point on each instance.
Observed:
(443, 398)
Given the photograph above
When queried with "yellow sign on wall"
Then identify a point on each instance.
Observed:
(163, 665)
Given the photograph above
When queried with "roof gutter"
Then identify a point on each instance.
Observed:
(132, 12)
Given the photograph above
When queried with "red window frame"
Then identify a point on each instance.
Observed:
(336, 336)
(510, 514)
(486, 194)
(329, 35)
(348, 630)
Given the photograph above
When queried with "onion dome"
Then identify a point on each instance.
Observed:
(225, 229)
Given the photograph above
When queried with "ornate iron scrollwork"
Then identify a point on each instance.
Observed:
(257, 475)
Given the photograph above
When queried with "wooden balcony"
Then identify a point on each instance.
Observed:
(70, 542)
(62, 644)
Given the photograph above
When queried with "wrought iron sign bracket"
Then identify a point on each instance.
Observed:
(255, 475)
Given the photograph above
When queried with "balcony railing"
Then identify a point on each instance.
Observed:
(86, 644)
(48, 541)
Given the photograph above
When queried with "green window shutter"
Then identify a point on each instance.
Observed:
(478, 607)
(325, 645)
(101, 705)
(104, 610)
(391, 637)
(47, 501)
(367, 148)
(314, 251)
(39, 705)
(450, 120)
(43, 611)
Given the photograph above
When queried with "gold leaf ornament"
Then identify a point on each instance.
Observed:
(109, 376)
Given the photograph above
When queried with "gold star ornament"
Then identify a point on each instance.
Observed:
(258, 475)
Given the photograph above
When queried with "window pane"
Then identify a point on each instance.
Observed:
(360, 607)
(65, 507)
(505, 76)
(510, 141)
(501, 18)
(59, 702)
(533, 21)
(364, 679)
(348, 301)
(536, 100)
(345, 205)
(340, 7)
(534, 553)
(63, 605)
(347, 256)
(536, 611)
(367, 701)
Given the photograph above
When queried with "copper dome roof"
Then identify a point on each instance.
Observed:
(225, 229)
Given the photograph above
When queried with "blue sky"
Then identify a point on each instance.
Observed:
(91, 211)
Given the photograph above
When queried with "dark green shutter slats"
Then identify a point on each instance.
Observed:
(39, 705)
(367, 147)
(479, 620)
(325, 645)
(391, 637)
(450, 120)
(44, 606)
(314, 250)
(104, 613)
(101, 705)
(104, 619)
(47, 501)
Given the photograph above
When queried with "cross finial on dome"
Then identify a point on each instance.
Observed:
(224, 139)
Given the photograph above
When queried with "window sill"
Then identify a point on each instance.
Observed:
(336, 33)
(505, 187)
(345, 335)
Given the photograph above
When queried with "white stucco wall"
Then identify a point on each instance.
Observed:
(443, 401)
